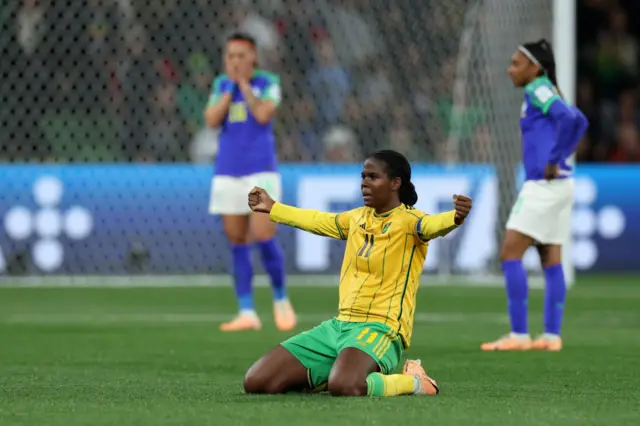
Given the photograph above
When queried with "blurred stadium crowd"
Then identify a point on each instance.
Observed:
(126, 80)
(608, 77)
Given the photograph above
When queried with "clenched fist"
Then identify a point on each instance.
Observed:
(260, 201)
(462, 204)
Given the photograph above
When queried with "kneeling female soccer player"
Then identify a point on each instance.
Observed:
(355, 353)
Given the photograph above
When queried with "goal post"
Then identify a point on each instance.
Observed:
(564, 44)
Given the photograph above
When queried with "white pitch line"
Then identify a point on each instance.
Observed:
(185, 318)
(294, 280)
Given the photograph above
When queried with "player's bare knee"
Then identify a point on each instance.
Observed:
(514, 245)
(508, 253)
(550, 255)
(262, 236)
(236, 229)
(347, 387)
(237, 238)
(254, 382)
(258, 380)
(264, 232)
(511, 250)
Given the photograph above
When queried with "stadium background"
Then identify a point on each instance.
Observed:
(107, 163)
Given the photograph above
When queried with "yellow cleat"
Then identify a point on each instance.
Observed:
(428, 386)
(284, 315)
(547, 343)
(243, 322)
(508, 343)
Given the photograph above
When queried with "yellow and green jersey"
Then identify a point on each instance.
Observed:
(383, 260)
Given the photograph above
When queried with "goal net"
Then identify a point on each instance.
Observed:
(109, 161)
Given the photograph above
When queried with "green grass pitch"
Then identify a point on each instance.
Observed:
(154, 356)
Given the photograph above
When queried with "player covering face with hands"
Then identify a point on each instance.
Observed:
(551, 131)
(243, 104)
(355, 353)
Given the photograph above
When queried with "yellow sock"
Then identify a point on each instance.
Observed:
(389, 385)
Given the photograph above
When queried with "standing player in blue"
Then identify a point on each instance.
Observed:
(243, 103)
(551, 131)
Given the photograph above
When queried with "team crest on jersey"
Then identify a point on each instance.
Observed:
(523, 110)
(386, 226)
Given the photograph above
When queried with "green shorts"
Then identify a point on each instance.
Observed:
(318, 348)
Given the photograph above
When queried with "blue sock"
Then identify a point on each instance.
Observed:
(242, 276)
(554, 297)
(273, 262)
(517, 293)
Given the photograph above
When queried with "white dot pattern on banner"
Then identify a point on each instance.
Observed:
(47, 191)
(48, 223)
(18, 222)
(48, 254)
(585, 191)
(611, 222)
(78, 223)
(585, 253)
(583, 222)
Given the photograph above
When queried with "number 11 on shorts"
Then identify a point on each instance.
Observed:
(372, 337)
(366, 338)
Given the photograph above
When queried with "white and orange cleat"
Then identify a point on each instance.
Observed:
(284, 315)
(425, 385)
(510, 342)
(245, 321)
(547, 342)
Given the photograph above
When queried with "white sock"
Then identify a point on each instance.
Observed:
(248, 312)
(417, 385)
(520, 336)
(551, 336)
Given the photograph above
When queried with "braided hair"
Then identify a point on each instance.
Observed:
(397, 166)
(541, 53)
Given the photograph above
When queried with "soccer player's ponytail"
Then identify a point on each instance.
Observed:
(398, 167)
(541, 54)
(408, 194)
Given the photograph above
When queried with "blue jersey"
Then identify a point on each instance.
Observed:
(551, 129)
(246, 146)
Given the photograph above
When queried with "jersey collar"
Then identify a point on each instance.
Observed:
(390, 212)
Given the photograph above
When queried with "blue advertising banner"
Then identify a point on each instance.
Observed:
(120, 219)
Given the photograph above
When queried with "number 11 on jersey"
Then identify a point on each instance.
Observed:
(366, 248)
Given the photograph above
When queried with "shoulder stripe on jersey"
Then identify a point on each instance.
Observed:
(412, 214)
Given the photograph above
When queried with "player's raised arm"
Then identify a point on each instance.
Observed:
(432, 226)
(262, 106)
(219, 101)
(334, 225)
